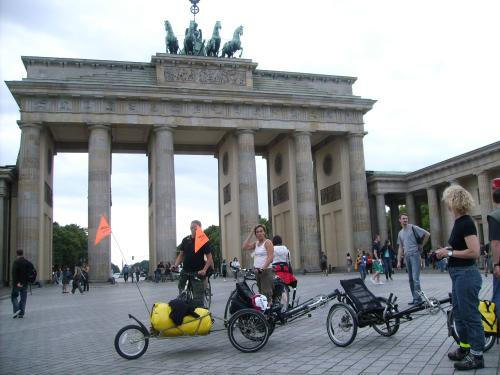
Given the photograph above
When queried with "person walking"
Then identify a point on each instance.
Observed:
(411, 239)
(494, 237)
(77, 279)
(85, 277)
(224, 269)
(348, 262)
(465, 280)
(21, 270)
(125, 272)
(66, 277)
(235, 267)
(387, 257)
(323, 260)
(262, 260)
(194, 262)
(137, 273)
(362, 265)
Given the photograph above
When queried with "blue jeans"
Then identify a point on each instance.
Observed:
(465, 286)
(16, 305)
(413, 267)
(387, 267)
(362, 271)
(496, 294)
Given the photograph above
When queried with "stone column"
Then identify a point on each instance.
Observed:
(29, 198)
(448, 216)
(306, 204)
(164, 191)
(99, 200)
(359, 193)
(434, 219)
(395, 225)
(484, 187)
(249, 205)
(4, 191)
(381, 217)
(410, 208)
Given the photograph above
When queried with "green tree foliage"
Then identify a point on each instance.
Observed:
(70, 245)
(115, 268)
(213, 233)
(267, 224)
(143, 266)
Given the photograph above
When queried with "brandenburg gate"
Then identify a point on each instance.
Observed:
(309, 127)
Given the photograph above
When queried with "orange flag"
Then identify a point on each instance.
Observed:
(103, 230)
(200, 239)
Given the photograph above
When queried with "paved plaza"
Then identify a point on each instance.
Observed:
(73, 334)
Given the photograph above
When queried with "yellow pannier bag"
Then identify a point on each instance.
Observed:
(160, 320)
(488, 317)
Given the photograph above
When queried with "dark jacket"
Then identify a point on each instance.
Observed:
(20, 270)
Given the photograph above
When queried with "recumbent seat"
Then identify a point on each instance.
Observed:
(363, 300)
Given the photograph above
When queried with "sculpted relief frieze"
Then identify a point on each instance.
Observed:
(188, 109)
(205, 76)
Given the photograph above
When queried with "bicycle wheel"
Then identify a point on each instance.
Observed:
(207, 297)
(131, 342)
(226, 309)
(489, 340)
(390, 326)
(341, 324)
(248, 330)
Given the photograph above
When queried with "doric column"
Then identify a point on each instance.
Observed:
(99, 200)
(434, 220)
(381, 217)
(359, 193)
(29, 195)
(249, 205)
(483, 184)
(448, 216)
(164, 192)
(395, 225)
(306, 203)
(4, 193)
(410, 208)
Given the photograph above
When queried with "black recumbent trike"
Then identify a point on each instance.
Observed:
(356, 307)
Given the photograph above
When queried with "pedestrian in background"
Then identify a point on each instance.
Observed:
(21, 269)
(324, 263)
(77, 279)
(348, 262)
(66, 277)
(387, 258)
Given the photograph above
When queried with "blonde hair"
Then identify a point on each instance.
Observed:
(458, 199)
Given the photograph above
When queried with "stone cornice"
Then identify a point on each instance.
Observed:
(60, 61)
(306, 76)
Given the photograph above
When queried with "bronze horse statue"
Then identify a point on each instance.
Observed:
(214, 43)
(171, 42)
(233, 45)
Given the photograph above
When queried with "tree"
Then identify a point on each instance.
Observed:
(70, 245)
(213, 233)
(115, 268)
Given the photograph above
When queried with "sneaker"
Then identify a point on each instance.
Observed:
(380, 283)
(373, 281)
(470, 362)
(16, 314)
(458, 354)
(21, 316)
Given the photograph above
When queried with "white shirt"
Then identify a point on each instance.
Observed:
(281, 254)
(260, 255)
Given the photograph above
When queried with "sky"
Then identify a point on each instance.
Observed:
(432, 66)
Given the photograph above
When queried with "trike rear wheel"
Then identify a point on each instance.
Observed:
(341, 324)
(248, 330)
(131, 342)
(489, 340)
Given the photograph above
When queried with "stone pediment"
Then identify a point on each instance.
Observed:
(203, 72)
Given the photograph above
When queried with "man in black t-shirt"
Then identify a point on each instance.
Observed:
(194, 262)
(20, 275)
(494, 236)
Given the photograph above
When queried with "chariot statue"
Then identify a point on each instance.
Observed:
(214, 43)
(172, 45)
(193, 41)
(233, 45)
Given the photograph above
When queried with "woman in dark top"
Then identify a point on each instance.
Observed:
(465, 280)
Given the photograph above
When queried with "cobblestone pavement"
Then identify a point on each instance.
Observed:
(73, 334)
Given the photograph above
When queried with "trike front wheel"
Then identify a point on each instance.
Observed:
(248, 330)
(131, 342)
(341, 324)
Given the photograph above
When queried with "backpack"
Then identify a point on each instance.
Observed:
(488, 317)
(31, 273)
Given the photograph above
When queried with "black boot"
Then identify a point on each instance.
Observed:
(470, 362)
(458, 354)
